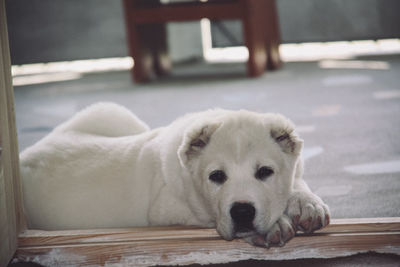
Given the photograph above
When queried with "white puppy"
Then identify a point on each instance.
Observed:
(237, 171)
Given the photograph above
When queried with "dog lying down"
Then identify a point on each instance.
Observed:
(237, 171)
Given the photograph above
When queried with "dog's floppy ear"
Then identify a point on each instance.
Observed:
(284, 135)
(194, 140)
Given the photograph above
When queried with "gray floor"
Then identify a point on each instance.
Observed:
(349, 118)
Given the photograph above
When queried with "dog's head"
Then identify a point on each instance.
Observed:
(242, 164)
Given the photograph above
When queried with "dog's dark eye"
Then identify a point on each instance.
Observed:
(263, 173)
(218, 176)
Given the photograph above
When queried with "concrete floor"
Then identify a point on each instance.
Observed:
(349, 118)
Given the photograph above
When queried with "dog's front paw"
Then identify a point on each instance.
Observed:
(278, 235)
(308, 212)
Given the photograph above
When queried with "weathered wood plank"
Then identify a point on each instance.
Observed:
(187, 245)
(187, 251)
(355, 225)
(49, 238)
(11, 219)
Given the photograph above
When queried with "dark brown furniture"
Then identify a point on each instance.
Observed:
(147, 39)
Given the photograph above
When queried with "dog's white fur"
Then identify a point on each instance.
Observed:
(106, 168)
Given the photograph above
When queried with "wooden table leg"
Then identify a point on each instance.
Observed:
(254, 37)
(141, 54)
(147, 44)
(273, 35)
(261, 34)
(159, 44)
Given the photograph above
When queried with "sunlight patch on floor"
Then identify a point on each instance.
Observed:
(375, 167)
(66, 70)
(354, 64)
(387, 94)
(332, 55)
(338, 50)
(45, 78)
(346, 80)
(310, 152)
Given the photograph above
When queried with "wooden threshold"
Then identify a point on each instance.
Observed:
(187, 245)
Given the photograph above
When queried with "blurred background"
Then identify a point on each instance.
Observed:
(71, 30)
(339, 82)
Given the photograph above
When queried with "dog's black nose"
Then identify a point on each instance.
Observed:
(243, 213)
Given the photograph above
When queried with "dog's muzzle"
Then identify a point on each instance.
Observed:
(242, 215)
